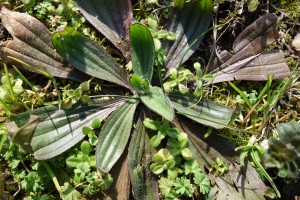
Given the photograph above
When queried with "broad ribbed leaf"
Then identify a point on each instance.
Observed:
(158, 102)
(143, 183)
(114, 135)
(57, 130)
(248, 63)
(190, 23)
(142, 51)
(112, 18)
(87, 56)
(32, 44)
(204, 112)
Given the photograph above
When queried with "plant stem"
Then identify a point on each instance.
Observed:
(29, 84)
(245, 98)
(11, 91)
(3, 138)
(5, 107)
(253, 155)
(54, 179)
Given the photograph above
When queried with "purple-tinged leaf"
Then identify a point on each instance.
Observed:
(55, 131)
(190, 22)
(32, 44)
(120, 188)
(255, 68)
(248, 61)
(112, 18)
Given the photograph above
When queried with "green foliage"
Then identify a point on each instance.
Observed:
(157, 33)
(182, 181)
(284, 151)
(72, 96)
(58, 14)
(252, 96)
(11, 90)
(203, 182)
(220, 167)
(180, 78)
(255, 153)
(175, 163)
(32, 182)
(79, 170)
(183, 187)
(69, 192)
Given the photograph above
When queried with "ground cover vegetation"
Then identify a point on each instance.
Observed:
(114, 99)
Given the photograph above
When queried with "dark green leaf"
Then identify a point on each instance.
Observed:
(114, 135)
(190, 23)
(112, 18)
(142, 51)
(158, 102)
(58, 130)
(204, 112)
(140, 156)
(87, 56)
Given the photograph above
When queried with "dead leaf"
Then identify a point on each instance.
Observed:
(249, 62)
(120, 188)
(240, 182)
(296, 42)
(23, 135)
(32, 44)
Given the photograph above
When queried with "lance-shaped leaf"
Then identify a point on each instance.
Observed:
(114, 135)
(143, 182)
(248, 63)
(190, 22)
(112, 18)
(204, 112)
(87, 56)
(142, 51)
(158, 102)
(239, 182)
(32, 44)
(56, 130)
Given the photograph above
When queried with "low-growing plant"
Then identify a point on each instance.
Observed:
(49, 131)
